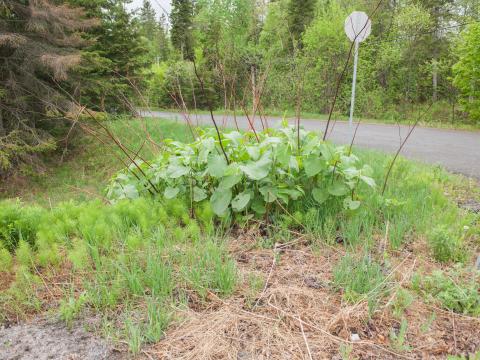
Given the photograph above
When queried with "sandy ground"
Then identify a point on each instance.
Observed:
(43, 339)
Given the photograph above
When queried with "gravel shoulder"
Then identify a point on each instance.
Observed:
(43, 339)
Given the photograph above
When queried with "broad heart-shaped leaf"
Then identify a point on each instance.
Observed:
(171, 192)
(313, 164)
(269, 193)
(257, 170)
(328, 152)
(253, 152)
(216, 165)
(293, 164)
(241, 201)
(220, 200)
(130, 191)
(234, 136)
(206, 146)
(174, 171)
(258, 206)
(320, 195)
(229, 181)
(199, 194)
(368, 180)
(338, 189)
(282, 154)
(351, 204)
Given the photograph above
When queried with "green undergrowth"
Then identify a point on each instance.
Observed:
(135, 262)
(141, 259)
(250, 175)
(456, 289)
(85, 169)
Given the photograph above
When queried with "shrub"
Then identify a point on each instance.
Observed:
(264, 173)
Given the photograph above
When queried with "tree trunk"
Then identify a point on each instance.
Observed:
(2, 128)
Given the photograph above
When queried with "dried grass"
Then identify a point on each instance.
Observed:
(298, 315)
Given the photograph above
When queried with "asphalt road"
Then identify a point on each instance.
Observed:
(456, 150)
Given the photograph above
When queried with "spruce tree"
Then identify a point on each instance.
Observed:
(300, 14)
(181, 19)
(39, 42)
(115, 61)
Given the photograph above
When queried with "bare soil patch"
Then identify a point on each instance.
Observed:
(43, 339)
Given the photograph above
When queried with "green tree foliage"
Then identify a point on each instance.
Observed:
(116, 59)
(299, 48)
(155, 31)
(467, 70)
(300, 14)
(181, 19)
(39, 43)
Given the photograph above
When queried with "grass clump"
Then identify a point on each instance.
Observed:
(359, 277)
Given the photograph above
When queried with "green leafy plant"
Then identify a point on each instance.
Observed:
(71, 307)
(258, 173)
(456, 290)
(18, 223)
(446, 243)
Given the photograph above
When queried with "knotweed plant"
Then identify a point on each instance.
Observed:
(248, 173)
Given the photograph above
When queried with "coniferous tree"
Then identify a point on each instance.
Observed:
(163, 40)
(148, 21)
(115, 60)
(300, 14)
(39, 43)
(181, 19)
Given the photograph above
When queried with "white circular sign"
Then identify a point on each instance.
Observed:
(358, 26)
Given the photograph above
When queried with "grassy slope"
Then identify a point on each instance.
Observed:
(86, 170)
(119, 278)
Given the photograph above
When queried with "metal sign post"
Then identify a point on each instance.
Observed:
(357, 27)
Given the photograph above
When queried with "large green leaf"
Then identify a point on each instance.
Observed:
(254, 152)
(368, 180)
(282, 154)
(338, 189)
(199, 194)
(174, 171)
(257, 170)
(216, 165)
(171, 192)
(320, 195)
(269, 193)
(130, 191)
(220, 200)
(230, 181)
(206, 147)
(351, 204)
(313, 165)
(258, 206)
(241, 201)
